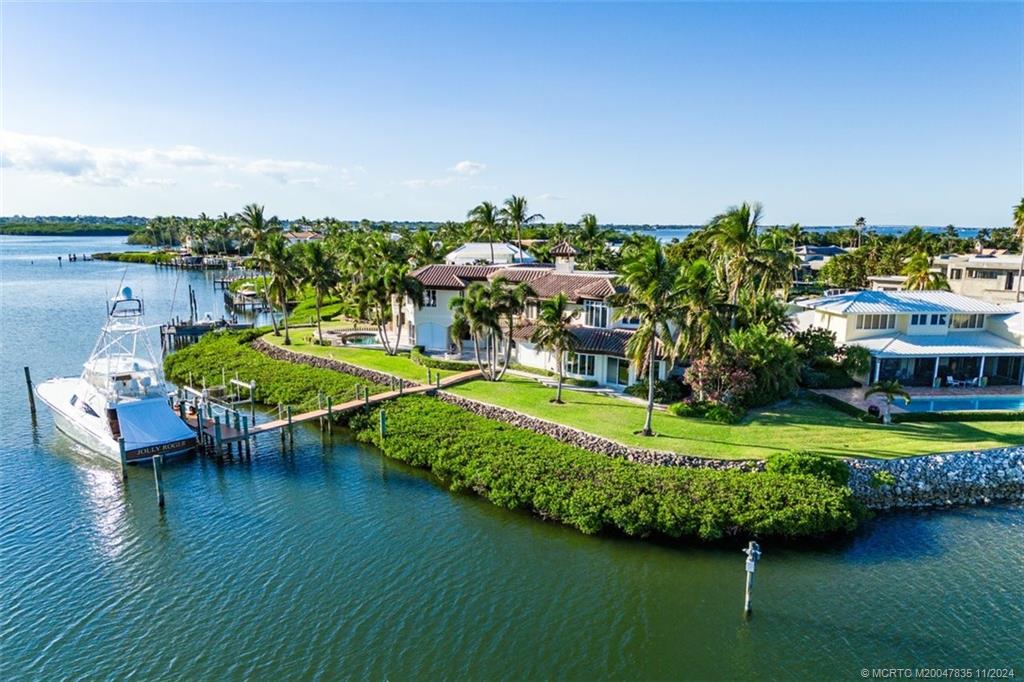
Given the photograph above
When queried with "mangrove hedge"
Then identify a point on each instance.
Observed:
(520, 469)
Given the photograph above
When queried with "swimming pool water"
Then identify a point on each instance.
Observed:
(991, 402)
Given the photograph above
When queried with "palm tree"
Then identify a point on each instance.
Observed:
(484, 220)
(733, 240)
(252, 226)
(423, 249)
(473, 315)
(890, 389)
(553, 334)
(516, 214)
(920, 276)
(280, 261)
(648, 279)
(1018, 225)
(859, 225)
(385, 281)
(320, 274)
(591, 238)
(702, 310)
(507, 301)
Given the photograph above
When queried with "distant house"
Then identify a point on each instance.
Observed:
(925, 338)
(301, 237)
(600, 355)
(991, 278)
(476, 253)
(812, 258)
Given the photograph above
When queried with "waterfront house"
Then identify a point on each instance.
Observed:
(473, 253)
(989, 277)
(813, 258)
(600, 355)
(925, 338)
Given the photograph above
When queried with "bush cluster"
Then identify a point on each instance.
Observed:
(665, 391)
(723, 413)
(420, 358)
(830, 469)
(277, 381)
(520, 469)
(965, 416)
(148, 257)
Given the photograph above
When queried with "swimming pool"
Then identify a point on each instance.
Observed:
(982, 402)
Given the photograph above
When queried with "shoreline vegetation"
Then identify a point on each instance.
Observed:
(67, 229)
(144, 257)
(518, 469)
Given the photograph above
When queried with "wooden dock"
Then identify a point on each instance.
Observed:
(223, 434)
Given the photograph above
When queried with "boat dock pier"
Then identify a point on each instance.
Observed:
(222, 428)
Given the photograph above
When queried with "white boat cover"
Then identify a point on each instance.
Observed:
(145, 423)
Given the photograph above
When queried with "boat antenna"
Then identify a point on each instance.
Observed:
(123, 275)
(174, 292)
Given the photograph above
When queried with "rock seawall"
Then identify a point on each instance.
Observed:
(278, 353)
(588, 441)
(971, 477)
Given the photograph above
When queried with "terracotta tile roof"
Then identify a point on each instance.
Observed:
(588, 339)
(453, 276)
(563, 248)
(524, 273)
(575, 286)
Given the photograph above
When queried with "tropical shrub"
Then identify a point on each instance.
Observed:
(880, 478)
(723, 413)
(810, 464)
(719, 379)
(770, 358)
(520, 469)
(665, 391)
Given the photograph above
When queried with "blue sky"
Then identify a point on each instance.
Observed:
(640, 113)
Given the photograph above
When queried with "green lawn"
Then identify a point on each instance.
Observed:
(795, 425)
(371, 358)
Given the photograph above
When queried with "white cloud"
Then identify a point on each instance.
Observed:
(222, 184)
(551, 197)
(468, 168)
(420, 183)
(159, 182)
(121, 167)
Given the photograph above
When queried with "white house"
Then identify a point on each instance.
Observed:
(600, 354)
(474, 253)
(925, 338)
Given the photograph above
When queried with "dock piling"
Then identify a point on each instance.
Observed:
(383, 425)
(158, 477)
(216, 435)
(31, 393)
(753, 552)
(124, 458)
(291, 433)
(330, 417)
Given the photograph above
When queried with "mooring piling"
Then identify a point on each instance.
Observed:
(31, 393)
(383, 423)
(216, 435)
(753, 552)
(291, 433)
(158, 478)
(124, 458)
(245, 435)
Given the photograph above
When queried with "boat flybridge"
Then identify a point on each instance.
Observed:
(120, 393)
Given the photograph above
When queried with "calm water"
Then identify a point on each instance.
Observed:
(333, 562)
(1008, 402)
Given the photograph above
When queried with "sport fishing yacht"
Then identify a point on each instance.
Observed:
(120, 393)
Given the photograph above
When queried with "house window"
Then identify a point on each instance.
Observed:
(974, 273)
(939, 320)
(956, 273)
(967, 321)
(630, 321)
(1008, 286)
(876, 321)
(596, 313)
(918, 320)
(430, 298)
(532, 310)
(579, 364)
(617, 372)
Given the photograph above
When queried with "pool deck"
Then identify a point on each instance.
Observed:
(855, 396)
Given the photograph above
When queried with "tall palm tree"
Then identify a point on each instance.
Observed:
(320, 274)
(1018, 226)
(920, 276)
(648, 280)
(733, 240)
(553, 334)
(890, 389)
(507, 300)
(859, 225)
(591, 238)
(515, 214)
(253, 226)
(702, 311)
(473, 315)
(280, 261)
(484, 220)
(423, 248)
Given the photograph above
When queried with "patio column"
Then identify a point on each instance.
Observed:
(935, 374)
(981, 369)
(878, 368)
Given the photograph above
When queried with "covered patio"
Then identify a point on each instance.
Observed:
(955, 360)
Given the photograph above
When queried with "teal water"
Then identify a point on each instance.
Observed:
(1008, 402)
(332, 562)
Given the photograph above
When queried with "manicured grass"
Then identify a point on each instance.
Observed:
(371, 358)
(793, 425)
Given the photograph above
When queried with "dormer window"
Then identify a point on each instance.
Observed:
(430, 298)
(595, 314)
(967, 321)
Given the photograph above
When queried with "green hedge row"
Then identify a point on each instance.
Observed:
(277, 381)
(965, 416)
(566, 381)
(520, 469)
(842, 406)
(417, 355)
(150, 257)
